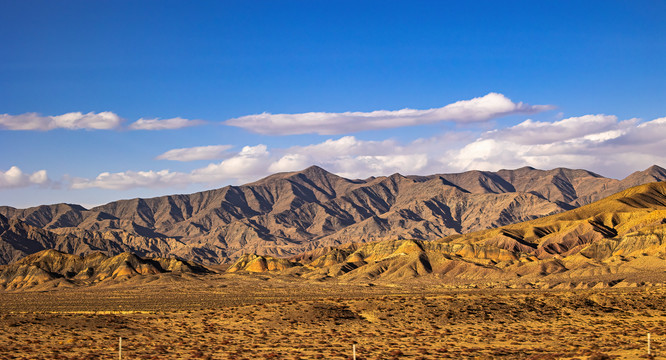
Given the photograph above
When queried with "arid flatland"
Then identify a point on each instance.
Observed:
(261, 317)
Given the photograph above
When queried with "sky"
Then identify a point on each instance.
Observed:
(108, 100)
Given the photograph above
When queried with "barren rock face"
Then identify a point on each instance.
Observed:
(289, 213)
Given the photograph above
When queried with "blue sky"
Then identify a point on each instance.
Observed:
(94, 95)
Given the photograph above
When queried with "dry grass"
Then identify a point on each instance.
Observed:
(258, 317)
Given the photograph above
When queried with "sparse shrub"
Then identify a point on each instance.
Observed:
(396, 353)
(543, 357)
(600, 356)
(197, 354)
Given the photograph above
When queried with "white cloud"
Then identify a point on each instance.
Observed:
(365, 166)
(39, 177)
(105, 120)
(346, 156)
(595, 142)
(537, 132)
(132, 179)
(196, 153)
(479, 109)
(355, 158)
(251, 162)
(163, 124)
(75, 120)
(289, 162)
(346, 146)
(15, 178)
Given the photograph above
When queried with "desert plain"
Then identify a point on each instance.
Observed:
(264, 316)
(359, 180)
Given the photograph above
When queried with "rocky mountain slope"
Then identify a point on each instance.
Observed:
(619, 240)
(289, 213)
(53, 269)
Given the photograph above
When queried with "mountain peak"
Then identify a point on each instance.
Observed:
(652, 174)
(655, 169)
(314, 170)
(524, 168)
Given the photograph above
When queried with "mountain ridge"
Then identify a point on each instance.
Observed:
(288, 213)
(617, 241)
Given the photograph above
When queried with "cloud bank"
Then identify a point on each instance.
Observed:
(479, 109)
(600, 143)
(73, 121)
(196, 153)
(243, 166)
(105, 120)
(596, 142)
(15, 178)
(164, 124)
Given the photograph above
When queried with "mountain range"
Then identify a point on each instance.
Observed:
(287, 214)
(617, 241)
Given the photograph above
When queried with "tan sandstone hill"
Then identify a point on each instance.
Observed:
(52, 269)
